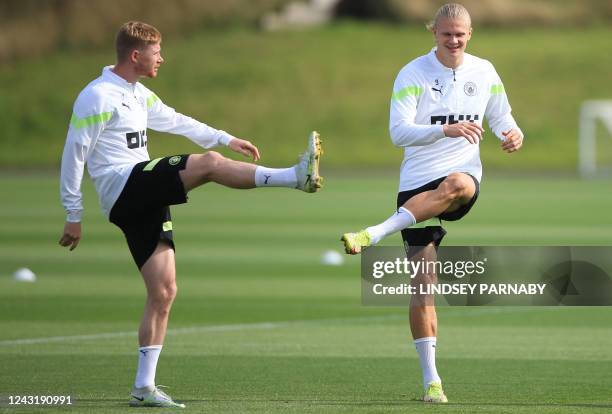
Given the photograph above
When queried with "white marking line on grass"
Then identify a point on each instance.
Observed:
(109, 335)
(241, 327)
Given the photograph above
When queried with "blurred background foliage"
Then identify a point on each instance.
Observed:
(33, 27)
(273, 87)
(498, 13)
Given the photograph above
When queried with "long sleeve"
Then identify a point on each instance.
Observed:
(498, 111)
(402, 127)
(165, 119)
(87, 122)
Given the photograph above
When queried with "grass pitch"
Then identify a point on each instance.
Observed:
(261, 326)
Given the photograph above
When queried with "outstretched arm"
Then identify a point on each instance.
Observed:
(165, 119)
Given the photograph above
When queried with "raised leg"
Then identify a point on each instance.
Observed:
(214, 167)
(456, 190)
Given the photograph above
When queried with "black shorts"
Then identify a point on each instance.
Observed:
(142, 211)
(416, 238)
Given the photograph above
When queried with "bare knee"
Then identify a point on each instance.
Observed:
(209, 163)
(163, 297)
(456, 186)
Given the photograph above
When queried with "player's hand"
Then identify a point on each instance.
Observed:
(71, 236)
(464, 129)
(513, 140)
(245, 148)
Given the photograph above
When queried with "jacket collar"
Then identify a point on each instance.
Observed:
(110, 76)
(438, 65)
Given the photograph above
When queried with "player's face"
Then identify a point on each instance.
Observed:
(148, 60)
(452, 36)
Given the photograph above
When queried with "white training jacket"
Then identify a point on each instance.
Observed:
(108, 132)
(426, 95)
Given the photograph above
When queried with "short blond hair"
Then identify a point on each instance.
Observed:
(450, 11)
(135, 36)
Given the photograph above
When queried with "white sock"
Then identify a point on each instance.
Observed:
(275, 177)
(426, 348)
(401, 219)
(147, 364)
